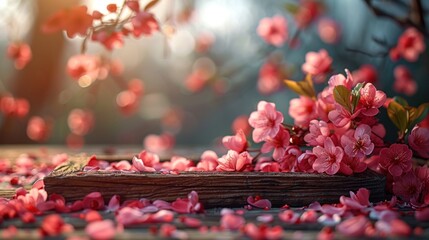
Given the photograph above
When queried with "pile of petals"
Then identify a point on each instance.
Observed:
(353, 216)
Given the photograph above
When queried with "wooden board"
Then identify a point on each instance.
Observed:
(215, 189)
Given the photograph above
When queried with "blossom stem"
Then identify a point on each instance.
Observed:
(255, 158)
(253, 150)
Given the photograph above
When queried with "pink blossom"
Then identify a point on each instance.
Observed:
(178, 163)
(158, 143)
(101, 229)
(20, 53)
(305, 162)
(271, 75)
(340, 79)
(317, 64)
(273, 30)
(358, 142)
(121, 165)
(350, 165)
(288, 161)
(234, 161)
(354, 227)
(188, 205)
(278, 143)
(371, 100)
(341, 117)
(139, 165)
(329, 30)
(266, 121)
(328, 157)
(259, 202)
(204, 41)
(263, 232)
(358, 201)
(231, 221)
(319, 131)
(208, 161)
(365, 74)
(38, 129)
(241, 122)
(419, 141)
(110, 40)
(54, 225)
(289, 216)
(128, 102)
(407, 187)
(309, 216)
(85, 66)
(396, 159)
(422, 215)
(197, 79)
(238, 142)
(308, 11)
(14, 107)
(144, 23)
(80, 121)
(302, 110)
(404, 82)
(265, 164)
(94, 201)
(129, 216)
(410, 45)
(395, 227)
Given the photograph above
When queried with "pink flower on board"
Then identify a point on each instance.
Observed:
(410, 45)
(357, 143)
(139, 165)
(319, 131)
(273, 30)
(144, 23)
(328, 158)
(305, 162)
(358, 201)
(238, 142)
(365, 74)
(266, 121)
(371, 100)
(20, 53)
(234, 161)
(208, 161)
(404, 82)
(396, 159)
(329, 30)
(278, 143)
(178, 163)
(408, 187)
(289, 160)
(302, 110)
(93, 201)
(350, 165)
(419, 141)
(54, 225)
(318, 64)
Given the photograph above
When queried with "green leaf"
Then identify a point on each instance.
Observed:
(398, 115)
(291, 8)
(401, 101)
(417, 115)
(342, 97)
(303, 88)
(356, 95)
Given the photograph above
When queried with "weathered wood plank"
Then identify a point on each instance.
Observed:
(226, 189)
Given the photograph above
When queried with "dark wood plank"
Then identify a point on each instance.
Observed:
(226, 189)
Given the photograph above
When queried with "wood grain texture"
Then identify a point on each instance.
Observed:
(217, 189)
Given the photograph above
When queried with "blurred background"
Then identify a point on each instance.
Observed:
(199, 73)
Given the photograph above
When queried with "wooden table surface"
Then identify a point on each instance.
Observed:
(210, 218)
